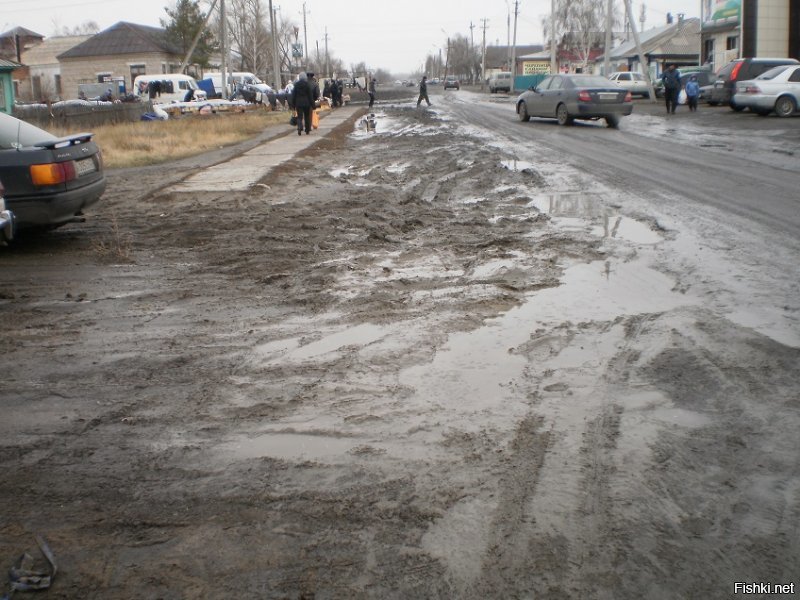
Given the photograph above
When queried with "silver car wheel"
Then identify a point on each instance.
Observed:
(523, 112)
(784, 106)
(563, 115)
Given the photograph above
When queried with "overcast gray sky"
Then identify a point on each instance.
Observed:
(391, 34)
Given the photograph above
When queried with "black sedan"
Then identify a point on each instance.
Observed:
(569, 97)
(48, 180)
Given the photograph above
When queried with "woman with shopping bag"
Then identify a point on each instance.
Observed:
(303, 101)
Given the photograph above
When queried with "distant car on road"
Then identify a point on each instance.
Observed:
(452, 82)
(776, 90)
(500, 81)
(635, 82)
(48, 180)
(568, 97)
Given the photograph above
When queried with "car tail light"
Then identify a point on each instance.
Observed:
(751, 89)
(735, 71)
(53, 173)
(584, 96)
(628, 97)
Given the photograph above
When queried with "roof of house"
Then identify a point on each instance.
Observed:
(677, 39)
(123, 38)
(20, 31)
(46, 52)
(8, 65)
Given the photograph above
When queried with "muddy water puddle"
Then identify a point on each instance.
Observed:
(573, 210)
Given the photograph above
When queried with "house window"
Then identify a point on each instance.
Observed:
(57, 79)
(103, 77)
(708, 52)
(2, 94)
(731, 42)
(36, 84)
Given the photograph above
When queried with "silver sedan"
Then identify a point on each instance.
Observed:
(775, 90)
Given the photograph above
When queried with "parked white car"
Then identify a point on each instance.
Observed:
(776, 90)
(635, 82)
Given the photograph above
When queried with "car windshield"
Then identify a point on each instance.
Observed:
(19, 134)
(773, 72)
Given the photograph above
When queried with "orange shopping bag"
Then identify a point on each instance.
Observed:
(315, 119)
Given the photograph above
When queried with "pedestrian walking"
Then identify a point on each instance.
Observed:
(303, 102)
(423, 91)
(692, 93)
(672, 87)
(371, 92)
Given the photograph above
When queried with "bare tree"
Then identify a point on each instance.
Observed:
(579, 27)
(85, 28)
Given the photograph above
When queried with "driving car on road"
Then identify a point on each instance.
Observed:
(569, 97)
(48, 180)
(776, 90)
(452, 82)
(740, 70)
(635, 82)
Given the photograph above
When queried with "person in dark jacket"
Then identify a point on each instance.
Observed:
(303, 102)
(371, 89)
(423, 91)
(315, 93)
(672, 87)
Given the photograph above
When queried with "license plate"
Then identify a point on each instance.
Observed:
(82, 167)
(606, 96)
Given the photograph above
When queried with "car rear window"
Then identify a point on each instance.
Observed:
(19, 134)
(590, 81)
(725, 71)
(773, 72)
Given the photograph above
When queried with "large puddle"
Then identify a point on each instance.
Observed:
(573, 210)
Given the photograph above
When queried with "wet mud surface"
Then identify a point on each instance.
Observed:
(408, 364)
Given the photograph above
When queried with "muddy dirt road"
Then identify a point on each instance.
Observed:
(461, 357)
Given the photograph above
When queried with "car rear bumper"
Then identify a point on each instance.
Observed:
(592, 111)
(56, 208)
(758, 102)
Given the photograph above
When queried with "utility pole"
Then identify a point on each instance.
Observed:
(447, 58)
(275, 64)
(305, 34)
(553, 58)
(607, 51)
(514, 46)
(471, 46)
(639, 52)
(483, 55)
(223, 18)
(327, 58)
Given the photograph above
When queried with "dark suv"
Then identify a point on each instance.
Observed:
(740, 70)
(451, 82)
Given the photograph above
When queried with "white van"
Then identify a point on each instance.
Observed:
(500, 81)
(167, 87)
(237, 78)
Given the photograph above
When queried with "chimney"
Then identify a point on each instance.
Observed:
(669, 18)
(680, 17)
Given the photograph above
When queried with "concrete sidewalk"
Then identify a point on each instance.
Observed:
(243, 171)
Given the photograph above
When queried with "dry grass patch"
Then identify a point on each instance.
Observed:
(152, 142)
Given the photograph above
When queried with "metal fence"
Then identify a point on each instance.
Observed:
(523, 82)
(81, 116)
